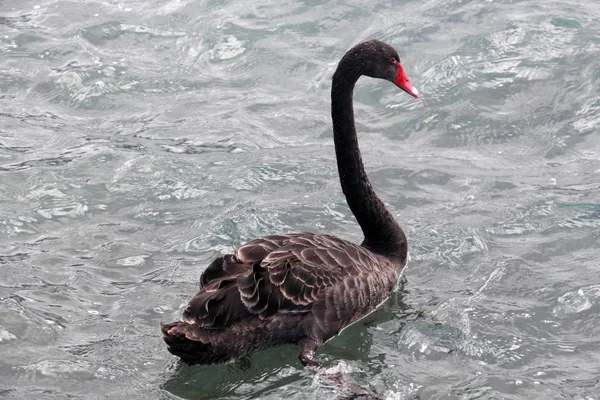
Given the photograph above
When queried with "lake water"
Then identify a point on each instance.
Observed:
(140, 139)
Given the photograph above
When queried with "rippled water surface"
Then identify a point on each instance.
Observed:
(140, 139)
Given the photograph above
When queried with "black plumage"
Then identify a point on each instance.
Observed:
(302, 288)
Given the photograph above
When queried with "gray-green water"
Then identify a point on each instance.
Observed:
(140, 139)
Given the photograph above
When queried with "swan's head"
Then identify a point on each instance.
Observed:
(380, 60)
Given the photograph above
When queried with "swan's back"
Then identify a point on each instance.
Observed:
(301, 285)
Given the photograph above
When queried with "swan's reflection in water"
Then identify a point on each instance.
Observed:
(260, 375)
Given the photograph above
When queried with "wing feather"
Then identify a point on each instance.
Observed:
(298, 272)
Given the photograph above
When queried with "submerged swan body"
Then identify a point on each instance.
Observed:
(303, 288)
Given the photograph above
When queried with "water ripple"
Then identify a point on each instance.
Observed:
(139, 140)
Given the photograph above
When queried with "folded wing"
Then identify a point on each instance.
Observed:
(275, 274)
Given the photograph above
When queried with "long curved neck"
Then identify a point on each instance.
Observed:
(382, 233)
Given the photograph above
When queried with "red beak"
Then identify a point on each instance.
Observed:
(403, 82)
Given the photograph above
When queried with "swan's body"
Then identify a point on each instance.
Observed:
(303, 288)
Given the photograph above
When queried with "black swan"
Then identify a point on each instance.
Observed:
(303, 288)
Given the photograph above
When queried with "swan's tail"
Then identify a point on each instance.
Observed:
(192, 344)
